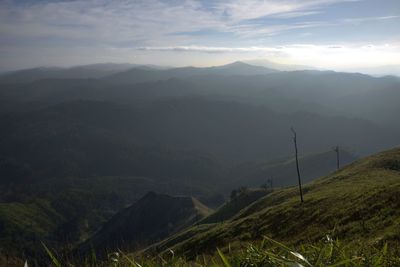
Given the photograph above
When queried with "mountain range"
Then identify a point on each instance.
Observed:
(80, 147)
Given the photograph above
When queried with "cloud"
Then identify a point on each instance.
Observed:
(238, 10)
(337, 56)
(104, 21)
(210, 49)
(148, 21)
(366, 19)
(261, 30)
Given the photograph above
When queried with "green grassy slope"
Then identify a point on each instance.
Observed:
(22, 225)
(360, 202)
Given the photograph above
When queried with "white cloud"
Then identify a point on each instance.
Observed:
(209, 49)
(237, 10)
(332, 56)
(151, 21)
(366, 19)
(106, 21)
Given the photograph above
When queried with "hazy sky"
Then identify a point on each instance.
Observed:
(336, 34)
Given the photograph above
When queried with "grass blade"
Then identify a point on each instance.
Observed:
(296, 254)
(132, 262)
(223, 258)
(343, 262)
(52, 257)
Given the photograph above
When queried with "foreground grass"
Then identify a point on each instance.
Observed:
(266, 253)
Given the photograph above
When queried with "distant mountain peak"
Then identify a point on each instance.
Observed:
(238, 63)
(241, 64)
(242, 68)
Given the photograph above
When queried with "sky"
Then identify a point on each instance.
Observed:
(327, 34)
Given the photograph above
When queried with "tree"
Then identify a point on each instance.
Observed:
(297, 163)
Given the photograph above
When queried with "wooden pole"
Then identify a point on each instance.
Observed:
(297, 163)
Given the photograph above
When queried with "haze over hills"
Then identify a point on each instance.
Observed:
(314, 91)
(280, 172)
(105, 135)
(77, 72)
(245, 67)
(139, 75)
(278, 66)
(224, 115)
(382, 70)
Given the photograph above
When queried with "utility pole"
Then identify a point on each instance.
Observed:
(297, 163)
(336, 149)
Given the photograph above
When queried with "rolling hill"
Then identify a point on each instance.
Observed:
(140, 75)
(321, 92)
(150, 219)
(77, 72)
(106, 139)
